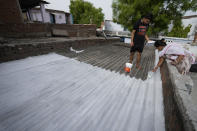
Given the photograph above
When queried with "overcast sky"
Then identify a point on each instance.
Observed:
(104, 4)
(64, 5)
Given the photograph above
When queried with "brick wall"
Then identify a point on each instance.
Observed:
(24, 30)
(10, 12)
(40, 30)
(77, 30)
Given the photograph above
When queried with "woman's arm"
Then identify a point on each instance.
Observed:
(178, 60)
(161, 60)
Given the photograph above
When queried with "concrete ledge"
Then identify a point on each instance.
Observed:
(180, 111)
(21, 48)
(183, 85)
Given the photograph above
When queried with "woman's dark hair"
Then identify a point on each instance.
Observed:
(159, 43)
(162, 39)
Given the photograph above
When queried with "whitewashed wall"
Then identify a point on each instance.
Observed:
(186, 22)
(60, 18)
(111, 26)
(193, 22)
(36, 15)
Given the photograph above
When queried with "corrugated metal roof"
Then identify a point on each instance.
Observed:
(114, 57)
(53, 92)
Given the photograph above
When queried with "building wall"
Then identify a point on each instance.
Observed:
(60, 18)
(37, 16)
(47, 17)
(193, 22)
(111, 26)
(186, 22)
(10, 12)
(44, 13)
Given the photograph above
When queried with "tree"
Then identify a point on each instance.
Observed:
(179, 30)
(85, 13)
(127, 12)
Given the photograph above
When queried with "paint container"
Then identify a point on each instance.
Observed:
(128, 67)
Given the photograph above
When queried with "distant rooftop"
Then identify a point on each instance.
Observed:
(53, 11)
(189, 17)
(25, 4)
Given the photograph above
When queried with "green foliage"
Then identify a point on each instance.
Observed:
(178, 30)
(127, 12)
(85, 13)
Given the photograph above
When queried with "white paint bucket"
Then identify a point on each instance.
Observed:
(128, 67)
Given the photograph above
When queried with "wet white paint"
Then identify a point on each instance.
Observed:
(53, 92)
(73, 50)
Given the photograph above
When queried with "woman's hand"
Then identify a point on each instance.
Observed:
(174, 63)
(160, 62)
(155, 69)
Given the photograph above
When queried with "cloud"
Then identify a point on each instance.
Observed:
(106, 5)
(58, 5)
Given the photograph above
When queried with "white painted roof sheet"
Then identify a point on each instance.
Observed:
(56, 93)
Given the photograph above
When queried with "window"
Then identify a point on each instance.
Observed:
(52, 18)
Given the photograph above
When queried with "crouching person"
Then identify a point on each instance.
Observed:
(181, 58)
